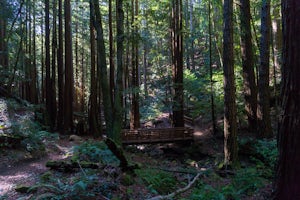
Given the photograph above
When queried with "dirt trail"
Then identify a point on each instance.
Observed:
(26, 172)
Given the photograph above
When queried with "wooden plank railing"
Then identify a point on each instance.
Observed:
(156, 135)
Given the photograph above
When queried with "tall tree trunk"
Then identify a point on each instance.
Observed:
(192, 50)
(95, 128)
(250, 88)
(118, 103)
(135, 111)
(60, 69)
(111, 53)
(69, 78)
(77, 68)
(212, 103)
(263, 111)
(48, 89)
(101, 63)
(3, 38)
(177, 63)
(230, 124)
(188, 37)
(288, 170)
(34, 93)
(53, 69)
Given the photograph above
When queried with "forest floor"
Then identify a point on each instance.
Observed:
(173, 165)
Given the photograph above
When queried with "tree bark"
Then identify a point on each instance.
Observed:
(48, 89)
(263, 111)
(3, 40)
(212, 103)
(250, 88)
(101, 63)
(118, 103)
(177, 63)
(230, 125)
(111, 53)
(135, 111)
(53, 69)
(288, 170)
(69, 79)
(60, 69)
(93, 117)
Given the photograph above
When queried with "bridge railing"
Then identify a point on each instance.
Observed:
(156, 135)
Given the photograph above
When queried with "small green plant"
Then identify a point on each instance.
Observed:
(157, 181)
(247, 181)
(267, 149)
(206, 192)
(56, 189)
(94, 152)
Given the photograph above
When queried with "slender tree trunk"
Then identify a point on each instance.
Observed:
(118, 107)
(192, 50)
(212, 103)
(48, 88)
(69, 79)
(34, 93)
(263, 111)
(77, 68)
(250, 88)
(187, 39)
(230, 124)
(288, 170)
(135, 113)
(126, 69)
(60, 69)
(42, 62)
(53, 69)
(93, 117)
(111, 53)
(177, 63)
(3, 38)
(101, 63)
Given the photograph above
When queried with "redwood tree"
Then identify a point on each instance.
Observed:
(93, 116)
(263, 111)
(3, 39)
(288, 170)
(250, 89)
(177, 62)
(69, 79)
(60, 68)
(230, 125)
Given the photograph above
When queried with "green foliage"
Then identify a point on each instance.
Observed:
(57, 189)
(266, 154)
(206, 192)
(245, 182)
(94, 152)
(34, 136)
(267, 149)
(197, 92)
(158, 181)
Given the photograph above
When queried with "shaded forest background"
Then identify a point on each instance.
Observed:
(95, 68)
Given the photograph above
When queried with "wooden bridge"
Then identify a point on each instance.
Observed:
(155, 135)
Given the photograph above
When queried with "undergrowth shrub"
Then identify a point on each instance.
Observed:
(94, 152)
(245, 182)
(158, 181)
(82, 187)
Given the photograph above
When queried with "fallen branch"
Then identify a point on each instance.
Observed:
(180, 171)
(179, 191)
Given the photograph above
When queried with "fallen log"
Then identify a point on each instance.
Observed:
(67, 166)
(118, 152)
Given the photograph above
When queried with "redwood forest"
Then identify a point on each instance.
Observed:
(149, 100)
